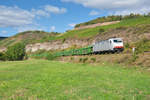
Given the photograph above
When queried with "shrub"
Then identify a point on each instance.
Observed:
(93, 59)
(80, 60)
(42, 54)
(15, 52)
(85, 59)
(63, 40)
(101, 30)
(127, 45)
(142, 45)
(2, 56)
(134, 57)
(71, 58)
(50, 56)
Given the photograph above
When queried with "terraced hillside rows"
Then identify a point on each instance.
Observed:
(52, 80)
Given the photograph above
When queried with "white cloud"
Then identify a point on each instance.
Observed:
(17, 17)
(54, 9)
(72, 25)
(3, 32)
(93, 13)
(40, 12)
(143, 10)
(116, 6)
(14, 16)
(28, 28)
(52, 28)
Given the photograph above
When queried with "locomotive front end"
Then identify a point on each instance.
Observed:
(118, 45)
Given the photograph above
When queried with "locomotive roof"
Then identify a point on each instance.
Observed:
(109, 39)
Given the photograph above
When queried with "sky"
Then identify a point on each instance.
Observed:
(60, 15)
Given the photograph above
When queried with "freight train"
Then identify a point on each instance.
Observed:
(111, 45)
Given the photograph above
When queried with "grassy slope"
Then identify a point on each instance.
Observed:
(87, 33)
(47, 80)
(27, 37)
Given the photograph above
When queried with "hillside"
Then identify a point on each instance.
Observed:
(124, 24)
(109, 19)
(130, 29)
(2, 38)
(139, 25)
(26, 37)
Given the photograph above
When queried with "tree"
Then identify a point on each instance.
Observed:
(2, 56)
(15, 52)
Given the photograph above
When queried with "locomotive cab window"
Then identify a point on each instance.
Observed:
(117, 41)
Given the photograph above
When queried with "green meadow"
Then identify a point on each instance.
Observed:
(52, 80)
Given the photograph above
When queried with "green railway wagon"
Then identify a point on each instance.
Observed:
(89, 49)
(86, 50)
(64, 53)
(61, 53)
(67, 53)
(70, 52)
(57, 54)
(80, 51)
(75, 52)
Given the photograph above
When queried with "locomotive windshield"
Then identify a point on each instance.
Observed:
(117, 41)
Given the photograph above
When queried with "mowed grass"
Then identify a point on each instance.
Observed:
(51, 80)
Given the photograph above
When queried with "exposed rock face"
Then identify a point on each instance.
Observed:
(56, 45)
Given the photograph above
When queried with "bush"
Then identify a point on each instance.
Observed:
(93, 59)
(101, 30)
(71, 58)
(63, 40)
(134, 57)
(15, 52)
(42, 54)
(50, 56)
(80, 60)
(85, 59)
(142, 46)
(127, 45)
(2, 56)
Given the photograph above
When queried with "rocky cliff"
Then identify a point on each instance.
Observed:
(56, 45)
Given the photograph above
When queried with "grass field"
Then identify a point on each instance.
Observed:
(51, 80)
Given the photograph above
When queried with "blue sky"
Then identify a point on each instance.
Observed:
(60, 15)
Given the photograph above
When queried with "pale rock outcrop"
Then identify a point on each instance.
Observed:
(56, 45)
